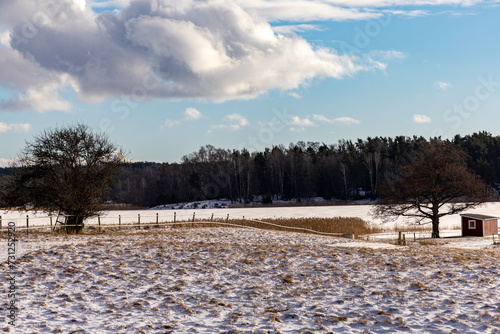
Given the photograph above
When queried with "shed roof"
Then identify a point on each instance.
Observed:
(477, 216)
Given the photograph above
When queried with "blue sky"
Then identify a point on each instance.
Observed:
(163, 78)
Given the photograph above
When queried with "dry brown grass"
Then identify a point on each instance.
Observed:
(343, 225)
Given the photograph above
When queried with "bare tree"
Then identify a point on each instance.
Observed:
(67, 170)
(344, 175)
(434, 184)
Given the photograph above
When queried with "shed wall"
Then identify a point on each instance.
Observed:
(477, 232)
(490, 227)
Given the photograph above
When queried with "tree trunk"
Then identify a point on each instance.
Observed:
(435, 227)
(435, 219)
(74, 224)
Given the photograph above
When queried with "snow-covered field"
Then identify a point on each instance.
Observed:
(131, 216)
(225, 280)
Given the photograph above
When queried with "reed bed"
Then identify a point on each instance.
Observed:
(343, 225)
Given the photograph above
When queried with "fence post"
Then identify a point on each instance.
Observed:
(27, 225)
(194, 213)
(227, 218)
(212, 218)
(0, 222)
(157, 220)
(139, 220)
(51, 223)
(399, 238)
(175, 214)
(120, 222)
(99, 222)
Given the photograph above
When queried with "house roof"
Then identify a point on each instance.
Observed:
(477, 216)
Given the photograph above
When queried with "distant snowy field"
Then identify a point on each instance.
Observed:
(216, 280)
(167, 214)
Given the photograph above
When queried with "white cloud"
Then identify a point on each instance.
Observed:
(322, 118)
(410, 13)
(296, 120)
(190, 114)
(295, 95)
(443, 85)
(421, 119)
(5, 162)
(5, 38)
(388, 55)
(14, 127)
(210, 50)
(343, 120)
(298, 124)
(231, 122)
(37, 88)
(347, 120)
(236, 121)
(288, 29)
(80, 4)
(318, 10)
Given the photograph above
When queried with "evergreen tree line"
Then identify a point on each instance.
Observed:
(347, 170)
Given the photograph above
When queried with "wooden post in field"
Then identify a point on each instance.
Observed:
(27, 225)
(227, 218)
(157, 220)
(99, 222)
(139, 220)
(194, 213)
(120, 222)
(175, 215)
(399, 238)
(51, 223)
(0, 222)
(212, 218)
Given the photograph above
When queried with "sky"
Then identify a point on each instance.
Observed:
(162, 78)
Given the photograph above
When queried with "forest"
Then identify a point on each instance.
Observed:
(346, 170)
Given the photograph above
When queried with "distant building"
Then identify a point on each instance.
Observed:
(478, 225)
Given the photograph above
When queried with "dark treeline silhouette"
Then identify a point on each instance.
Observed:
(347, 170)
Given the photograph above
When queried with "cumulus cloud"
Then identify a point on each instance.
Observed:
(14, 127)
(231, 122)
(213, 50)
(190, 114)
(296, 120)
(421, 119)
(298, 124)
